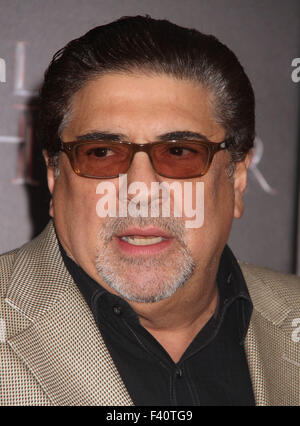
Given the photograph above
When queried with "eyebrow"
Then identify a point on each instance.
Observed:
(102, 136)
(117, 137)
(185, 134)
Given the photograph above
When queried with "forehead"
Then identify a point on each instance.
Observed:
(141, 105)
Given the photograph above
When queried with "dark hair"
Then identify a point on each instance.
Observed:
(150, 45)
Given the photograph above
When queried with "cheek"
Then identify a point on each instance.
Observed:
(208, 241)
(75, 216)
(219, 202)
(75, 197)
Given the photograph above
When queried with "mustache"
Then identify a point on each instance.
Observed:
(116, 225)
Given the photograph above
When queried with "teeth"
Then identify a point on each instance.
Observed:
(140, 241)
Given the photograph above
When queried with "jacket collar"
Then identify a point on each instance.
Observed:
(266, 298)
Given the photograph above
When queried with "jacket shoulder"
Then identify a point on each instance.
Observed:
(25, 256)
(6, 266)
(286, 286)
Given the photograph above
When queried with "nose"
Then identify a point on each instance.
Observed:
(141, 170)
(139, 178)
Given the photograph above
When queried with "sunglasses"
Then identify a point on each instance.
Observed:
(178, 159)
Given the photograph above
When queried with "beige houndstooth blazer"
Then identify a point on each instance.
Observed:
(53, 354)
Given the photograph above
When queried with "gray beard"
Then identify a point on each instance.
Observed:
(166, 275)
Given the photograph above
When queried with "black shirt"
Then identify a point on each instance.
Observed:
(212, 371)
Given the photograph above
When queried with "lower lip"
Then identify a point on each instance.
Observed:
(151, 249)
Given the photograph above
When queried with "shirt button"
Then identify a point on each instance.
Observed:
(228, 281)
(117, 310)
(178, 373)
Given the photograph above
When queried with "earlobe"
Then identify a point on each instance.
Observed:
(50, 180)
(240, 184)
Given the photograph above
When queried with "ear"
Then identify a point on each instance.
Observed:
(240, 184)
(50, 179)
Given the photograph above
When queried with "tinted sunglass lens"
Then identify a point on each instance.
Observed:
(102, 159)
(180, 159)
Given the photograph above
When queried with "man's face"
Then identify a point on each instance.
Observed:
(144, 259)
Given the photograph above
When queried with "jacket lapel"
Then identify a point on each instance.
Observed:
(62, 347)
(273, 356)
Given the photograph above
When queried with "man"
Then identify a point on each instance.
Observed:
(141, 308)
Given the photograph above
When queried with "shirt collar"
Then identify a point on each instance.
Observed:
(232, 287)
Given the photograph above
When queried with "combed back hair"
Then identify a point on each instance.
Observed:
(153, 46)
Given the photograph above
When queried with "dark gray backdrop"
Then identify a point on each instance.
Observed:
(264, 35)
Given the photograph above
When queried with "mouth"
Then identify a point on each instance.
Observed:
(136, 241)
